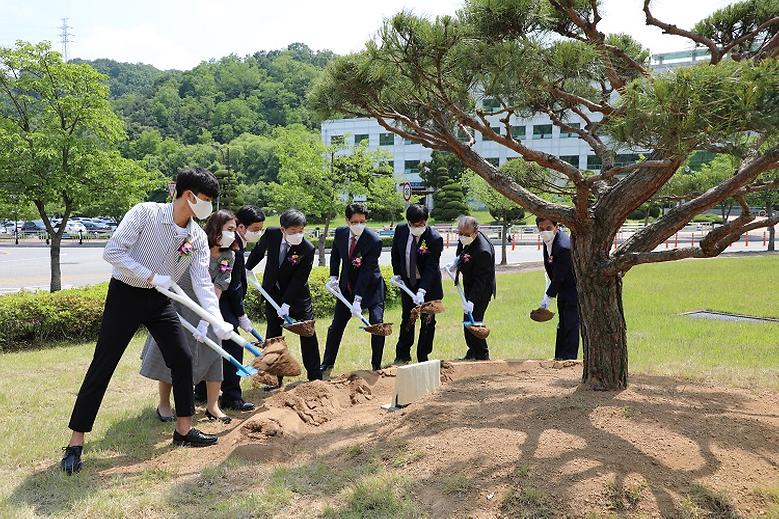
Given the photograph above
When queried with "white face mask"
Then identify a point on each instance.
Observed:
(252, 236)
(227, 239)
(466, 240)
(201, 208)
(547, 236)
(294, 239)
(416, 231)
(357, 228)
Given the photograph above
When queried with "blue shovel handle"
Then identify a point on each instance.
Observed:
(241, 370)
(289, 319)
(257, 335)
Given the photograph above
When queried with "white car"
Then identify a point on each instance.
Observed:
(73, 227)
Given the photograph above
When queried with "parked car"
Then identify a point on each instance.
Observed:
(96, 228)
(72, 228)
(33, 227)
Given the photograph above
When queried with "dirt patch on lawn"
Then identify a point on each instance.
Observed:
(509, 439)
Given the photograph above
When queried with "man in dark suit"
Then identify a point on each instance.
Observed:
(355, 255)
(249, 220)
(290, 258)
(416, 257)
(562, 285)
(476, 264)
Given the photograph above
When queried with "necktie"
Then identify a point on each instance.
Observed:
(283, 253)
(412, 262)
(352, 247)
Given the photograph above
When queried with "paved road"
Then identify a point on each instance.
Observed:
(28, 267)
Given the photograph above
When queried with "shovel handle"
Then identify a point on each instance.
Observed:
(401, 285)
(256, 284)
(337, 293)
(459, 290)
(242, 370)
(257, 335)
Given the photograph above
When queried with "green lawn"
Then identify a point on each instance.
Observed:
(37, 388)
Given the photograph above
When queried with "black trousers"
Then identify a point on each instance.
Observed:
(309, 346)
(477, 348)
(335, 333)
(567, 341)
(406, 335)
(126, 309)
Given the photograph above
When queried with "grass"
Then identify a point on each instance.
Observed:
(703, 502)
(37, 390)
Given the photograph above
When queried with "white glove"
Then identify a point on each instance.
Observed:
(468, 307)
(545, 302)
(396, 280)
(420, 297)
(245, 323)
(284, 311)
(357, 308)
(162, 281)
(202, 330)
(223, 330)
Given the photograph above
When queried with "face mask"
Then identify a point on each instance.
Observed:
(227, 239)
(466, 240)
(416, 231)
(294, 239)
(357, 228)
(252, 236)
(201, 208)
(547, 235)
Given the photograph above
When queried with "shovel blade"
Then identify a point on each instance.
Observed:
(382, 329)
(302, 328)
(479, 330)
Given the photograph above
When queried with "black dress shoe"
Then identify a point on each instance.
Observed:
(166, 419)
(223, 419)
(236, 405)
(467, 357)
(401, 362)
(71, 459)
(194, 438)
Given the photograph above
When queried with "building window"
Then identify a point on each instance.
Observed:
(386, 139)
(542, 131)
(626, 159)
(360, 137)
(336, 140)
(411, 167)
(408, 142)
(495, 129)
(490, 104)
(570, 135)
(495, 161)
(594, 163)
(573, 160)
(518, 132)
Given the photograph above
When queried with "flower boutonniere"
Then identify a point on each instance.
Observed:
(423, 249)
(357, 262)
(551, 258)
(465, 258)
(293, 259)
(185, 249)
(224, 266)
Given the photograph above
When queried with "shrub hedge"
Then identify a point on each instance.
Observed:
(36, 319)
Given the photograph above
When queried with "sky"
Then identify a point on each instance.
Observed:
(181, 33)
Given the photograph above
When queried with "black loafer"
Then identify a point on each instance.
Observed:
(194, 438)
(401, 362)
(223, 419)
(71, 459)
(165, 419)
(237, 405)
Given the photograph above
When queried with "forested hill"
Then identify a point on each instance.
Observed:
(218, 100)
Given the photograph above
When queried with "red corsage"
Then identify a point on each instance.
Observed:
(423, 248)
(357, 262)
(185, 249)
(465, 258)
(224, 266)
(293, 259)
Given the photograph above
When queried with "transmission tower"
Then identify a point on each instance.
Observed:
(65, 38)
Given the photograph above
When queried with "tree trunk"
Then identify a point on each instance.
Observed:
(602, 318)
(322, 240)
(769, 213)
(504, 230)
(56, 270)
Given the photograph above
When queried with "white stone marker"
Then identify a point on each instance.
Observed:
(416, 380)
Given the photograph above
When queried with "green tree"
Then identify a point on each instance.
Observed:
(439, 82)
(56, 136)
(448, 198)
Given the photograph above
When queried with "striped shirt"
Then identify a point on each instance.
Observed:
(146, 242)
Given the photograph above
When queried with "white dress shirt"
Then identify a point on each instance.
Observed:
(147, 242)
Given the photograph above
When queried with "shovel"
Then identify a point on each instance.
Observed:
(302, 328)
(383, 329)
(475, 327)
(428, 307)
(541, 315)
(284, 363)
(240, 369)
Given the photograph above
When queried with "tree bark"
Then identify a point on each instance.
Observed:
(602, 317)
(322, 240)
(504, 230)
(56, 270)
(769, 213)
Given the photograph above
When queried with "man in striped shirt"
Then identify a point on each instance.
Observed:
(153, 246)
